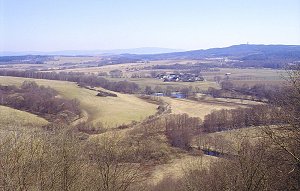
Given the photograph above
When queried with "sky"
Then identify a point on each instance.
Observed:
(54, 25)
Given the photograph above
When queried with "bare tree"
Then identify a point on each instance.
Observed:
(286, 136)
(180, 129)
(112, 161)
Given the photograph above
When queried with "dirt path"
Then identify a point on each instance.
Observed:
(84, 116)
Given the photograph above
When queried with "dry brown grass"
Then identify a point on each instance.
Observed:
(13, 120)
(196, 108)
(229, 141)
(10, 117)
(175, 168)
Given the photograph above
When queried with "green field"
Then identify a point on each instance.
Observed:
(111, 111)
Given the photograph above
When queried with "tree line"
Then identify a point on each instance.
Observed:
(80, 78)
(257, 115)
(258, 92)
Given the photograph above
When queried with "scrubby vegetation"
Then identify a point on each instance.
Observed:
(59, 160)
(39, 100)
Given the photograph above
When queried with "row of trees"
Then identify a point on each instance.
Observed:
(187, 91)
(180, 129)
(256, 92)
(257, 115)
(39, 100)
(81, 78)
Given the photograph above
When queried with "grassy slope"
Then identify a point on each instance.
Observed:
(111, 111)
(176, 167)
(194, 108)
(14, 116)
(13, 119)
(238, 134)
(230, 140)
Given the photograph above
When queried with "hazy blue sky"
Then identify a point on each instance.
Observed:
(46, 25)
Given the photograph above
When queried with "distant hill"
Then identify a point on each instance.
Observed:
(244, 55)
(243, 51)
(144, 50)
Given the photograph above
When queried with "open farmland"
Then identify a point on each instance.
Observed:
(153, 82)
(248, 75)
(240, 76)
(127, 68)
(111, 111)
(72, 59)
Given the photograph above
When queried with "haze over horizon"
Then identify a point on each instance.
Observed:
(104, 25)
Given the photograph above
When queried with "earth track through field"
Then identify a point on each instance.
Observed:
(84, 116)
